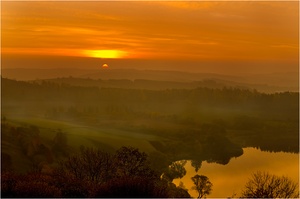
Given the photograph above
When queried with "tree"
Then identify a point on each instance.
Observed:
(131, 162)
(202, 185)
(265, 185)
(98, 166)
(175, 170)
(90, 164)
(196, 164)
(60, 142)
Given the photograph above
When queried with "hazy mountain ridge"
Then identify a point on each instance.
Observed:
(273, 82)
(161, 85)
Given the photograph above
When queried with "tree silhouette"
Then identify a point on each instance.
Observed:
(265, 185)
(175, 170)
(90, 164)
(131, 162)
(196, 164)
(202, 185)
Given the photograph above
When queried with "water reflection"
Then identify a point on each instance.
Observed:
(229, 179)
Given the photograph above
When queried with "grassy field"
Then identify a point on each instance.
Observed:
(78, 135)
(19, 146)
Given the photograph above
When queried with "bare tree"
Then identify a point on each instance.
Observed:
(202, 185)
(265, 185)
(90, 164)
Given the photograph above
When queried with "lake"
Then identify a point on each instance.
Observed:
(230, 179)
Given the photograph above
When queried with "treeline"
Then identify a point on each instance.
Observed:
(23, 148)
(94, 173)
(142, 83)
(208, 143)
(164, 100)
(147, 83)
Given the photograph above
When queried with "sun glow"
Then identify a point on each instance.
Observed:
(105, 53)
(104, 66)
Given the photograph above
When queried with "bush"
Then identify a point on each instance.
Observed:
(127, 187)
(35, 189)
(139, 187)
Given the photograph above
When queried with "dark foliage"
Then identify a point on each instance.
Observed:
(130, 187)
(132, 162)
(175, 170)
(31, 185)
(93, 173)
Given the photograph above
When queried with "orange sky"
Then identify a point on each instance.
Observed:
(214, 32)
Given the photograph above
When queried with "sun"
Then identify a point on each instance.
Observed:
(104, 66)
(108, 54)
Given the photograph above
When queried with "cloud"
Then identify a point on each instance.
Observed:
(198, 30)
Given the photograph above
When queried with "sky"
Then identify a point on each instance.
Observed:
(198, 36)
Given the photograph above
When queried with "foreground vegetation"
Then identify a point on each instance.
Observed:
(265, 185)
(93, 173)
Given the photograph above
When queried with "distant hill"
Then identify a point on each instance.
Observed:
(155, 79)
(131, 74)
(160, 85)
(142, 83)
(35, 73)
